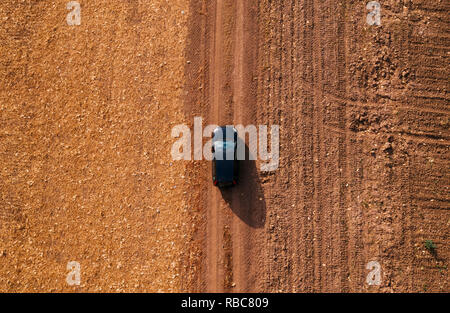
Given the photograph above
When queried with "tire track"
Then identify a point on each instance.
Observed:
(214, 225)
(219, 237)
(307, 174)
(344, 153)
(247, 257)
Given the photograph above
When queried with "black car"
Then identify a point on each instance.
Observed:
(224, 163)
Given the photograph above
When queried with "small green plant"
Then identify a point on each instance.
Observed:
(430, 246)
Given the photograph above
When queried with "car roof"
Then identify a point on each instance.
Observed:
(225, 170)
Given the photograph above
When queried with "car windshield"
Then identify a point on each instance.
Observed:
(223, 145)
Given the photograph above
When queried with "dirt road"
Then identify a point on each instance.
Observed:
(363, 113)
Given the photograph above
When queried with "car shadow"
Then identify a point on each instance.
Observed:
(246, 199)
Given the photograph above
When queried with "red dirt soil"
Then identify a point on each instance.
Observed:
(364, 172)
